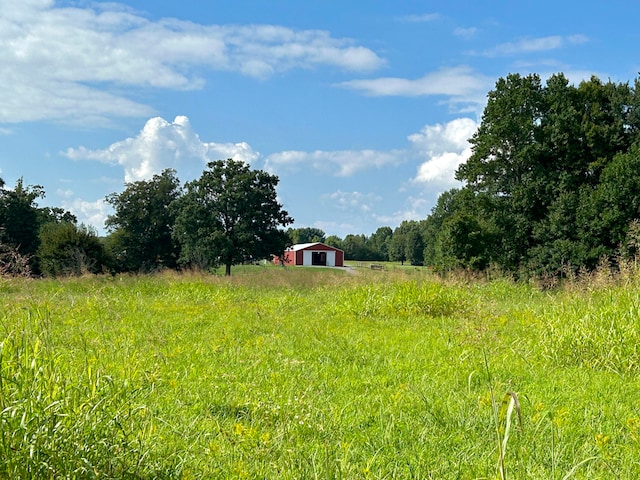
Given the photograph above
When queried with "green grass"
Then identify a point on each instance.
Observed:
(316, 373)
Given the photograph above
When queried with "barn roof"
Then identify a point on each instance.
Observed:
(305, 246)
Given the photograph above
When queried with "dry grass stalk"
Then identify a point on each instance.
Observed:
(12, 263)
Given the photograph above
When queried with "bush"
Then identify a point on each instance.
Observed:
(68, 249)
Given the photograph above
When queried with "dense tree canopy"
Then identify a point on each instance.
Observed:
(458, 233)
(142, 225)
(545, 162)
(19, 218)
(230, 215)
(355, 247)
(334, 241)
(306, 235)
(32, 238)
(407, 243)
(378, 243)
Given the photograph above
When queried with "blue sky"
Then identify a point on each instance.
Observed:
(362, 108)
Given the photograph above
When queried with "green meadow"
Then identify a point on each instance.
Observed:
(317, 373)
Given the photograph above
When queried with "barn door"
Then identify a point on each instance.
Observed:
(319, 258)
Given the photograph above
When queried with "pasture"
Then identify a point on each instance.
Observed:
(314, 373)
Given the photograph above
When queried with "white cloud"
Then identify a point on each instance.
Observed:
(342, 163)
(53, 57)
(465, 32)
(64, 193)
(90, 213)
(439, 148)
(461, 84)
(353, 201)
(259, 50)
(416, 208)
(535, 44)
(341, 229)
(441, 168)
(445, 147)
(161, 145)
(438, 138)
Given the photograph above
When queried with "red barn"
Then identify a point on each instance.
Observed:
(313, 254)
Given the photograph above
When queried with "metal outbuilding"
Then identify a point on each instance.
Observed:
(313, 254)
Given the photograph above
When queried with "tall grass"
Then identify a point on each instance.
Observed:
(312, 373)
(61, 422)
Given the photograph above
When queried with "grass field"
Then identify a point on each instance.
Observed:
(314, 373)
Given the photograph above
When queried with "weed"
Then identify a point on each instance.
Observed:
(502, 419)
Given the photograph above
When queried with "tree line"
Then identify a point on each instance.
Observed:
(229, 215)
(553, 182)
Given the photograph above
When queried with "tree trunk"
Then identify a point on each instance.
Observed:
(227, 269)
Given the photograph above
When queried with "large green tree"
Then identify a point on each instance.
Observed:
(19, 217)
(334, 241)
(21, 221)
(306, 235)
(506, 161)
(459, 232)
(608, 210)
(378, 243)
(230, 215)
(407, 243)
(538, 156)
(355, 248)
(141, 227)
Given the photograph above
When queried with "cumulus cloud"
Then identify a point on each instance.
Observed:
(53, 58)
(90, 213)
(439, 149)
(162, 144)
(436, 150)
(342, 163)
(445, 147)
(534, 44)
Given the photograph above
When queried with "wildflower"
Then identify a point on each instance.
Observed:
(602, 440)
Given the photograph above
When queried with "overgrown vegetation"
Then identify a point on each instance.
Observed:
(308, 373)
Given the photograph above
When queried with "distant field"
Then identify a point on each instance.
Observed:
(314, 373)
